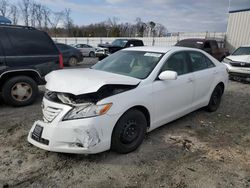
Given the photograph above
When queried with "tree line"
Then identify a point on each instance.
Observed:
(60, 23)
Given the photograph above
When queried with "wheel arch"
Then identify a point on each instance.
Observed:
(35, 75)
(222, 85)
(144, 110)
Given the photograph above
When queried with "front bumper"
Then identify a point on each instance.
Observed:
(82, 136)
(238, 73)
(101, 54)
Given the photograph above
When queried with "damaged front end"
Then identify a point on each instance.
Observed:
(86, 138)
(85, 105)
(89, 98)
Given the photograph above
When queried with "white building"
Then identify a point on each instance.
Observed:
(238, 29)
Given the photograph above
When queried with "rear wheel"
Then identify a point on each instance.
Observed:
(92, 54)
(129, 132)
(20, 91)
(215, 99)
(73, 61)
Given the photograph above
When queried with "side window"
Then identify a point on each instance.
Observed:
(207, 45)
(30, 42)
(128, 44)
(199, 61)
(214, 45)
(137, 43)
(178, 63)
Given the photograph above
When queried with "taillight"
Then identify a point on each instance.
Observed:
(61, 61)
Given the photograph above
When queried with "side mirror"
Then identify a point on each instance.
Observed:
(168, 75)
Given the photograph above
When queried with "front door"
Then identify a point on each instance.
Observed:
(173, 98)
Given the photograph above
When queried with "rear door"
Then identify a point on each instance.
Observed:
(204, 71)
(30, 48)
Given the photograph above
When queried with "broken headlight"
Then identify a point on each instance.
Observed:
(88, 110)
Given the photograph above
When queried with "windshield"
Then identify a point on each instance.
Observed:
(242, 51)
(135, 64)
(119, 42)
(190, 44)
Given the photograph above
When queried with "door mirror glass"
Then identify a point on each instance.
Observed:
(168, 75)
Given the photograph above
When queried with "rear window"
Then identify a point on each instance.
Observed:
(30, 42)
(63, 46)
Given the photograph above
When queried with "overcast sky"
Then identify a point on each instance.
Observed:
(176, 15)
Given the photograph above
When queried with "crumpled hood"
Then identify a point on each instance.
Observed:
(239, 58)
(83, 81)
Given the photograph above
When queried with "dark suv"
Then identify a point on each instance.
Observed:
(26, 56)
(106, 49)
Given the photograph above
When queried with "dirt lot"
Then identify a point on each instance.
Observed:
(199, 150)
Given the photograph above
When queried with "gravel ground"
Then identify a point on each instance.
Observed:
(199, 150)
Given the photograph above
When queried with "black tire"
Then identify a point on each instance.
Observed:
(91, 54)
(20, 91)
(72, 61)
(215, 99)
(129, 132)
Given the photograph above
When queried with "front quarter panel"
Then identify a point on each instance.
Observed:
(139, 96)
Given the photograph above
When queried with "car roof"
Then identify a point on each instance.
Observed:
(129, 39)
(197, 40)
(160, 49)
(17, 26)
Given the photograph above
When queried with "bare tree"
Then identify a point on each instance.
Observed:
(55, 19)
(46, 16)
(160, 30)
(39, 14)
(25, 7)
(140, 27)
(3, 7)
(68, 23)
(13, 14)
(151, 27)
(32, 11)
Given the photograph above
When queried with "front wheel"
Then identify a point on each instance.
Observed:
(20, 91)
(129, 132)
(215, 99)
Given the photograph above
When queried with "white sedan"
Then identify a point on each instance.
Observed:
(238, 64)
(114, 103)
(87, 50)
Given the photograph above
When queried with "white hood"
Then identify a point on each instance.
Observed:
(239, 58)
(82, 81)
